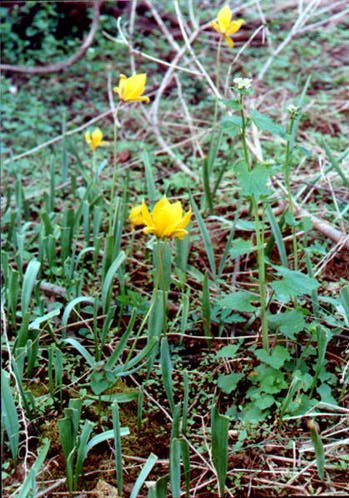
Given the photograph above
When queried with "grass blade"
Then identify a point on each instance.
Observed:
(28, 283)
(117, 445)
(149, 464)
(205, 236)
(166, 371)
(277, 235)
(10, 416)
(109, 278)
(219, 428)
(318, 447)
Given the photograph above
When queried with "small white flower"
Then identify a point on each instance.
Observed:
(242, 83)
(13, 89)
(292, 109)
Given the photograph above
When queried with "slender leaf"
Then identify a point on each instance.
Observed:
(148, 466)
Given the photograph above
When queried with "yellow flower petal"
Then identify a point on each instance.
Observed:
(224, 17)
(166, 219)
(132, 88)
(234, 26)
(215, 26)
(229, 41)
(146, 215)
(136, 216)
(180, 233)
(95, 139)
(88, 137)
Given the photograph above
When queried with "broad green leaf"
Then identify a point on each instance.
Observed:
(293, 283)
(232, 125)
(232, 103)
(290, 322)
(239, 247)
(265, 123)
(326, 394)
(254, 182)
(238, 301)
(228, 383)
(276, 359)
(228, 351)
(264, 401)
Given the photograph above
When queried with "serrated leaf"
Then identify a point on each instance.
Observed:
(238, 301)
(232, 124)
(294, 283)
(254, 182)
(239, 247)
(276, 359)
(228, 383)
(289, 323)
(264, 401)
(326, 394)
(228, 351)
(232, 103)
(265, 123)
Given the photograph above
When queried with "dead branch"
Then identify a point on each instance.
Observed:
(60, 66)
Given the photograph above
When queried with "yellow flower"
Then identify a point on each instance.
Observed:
(136, 216)
(166, 219)
(95, 139)
(225, 25)
(131, 89)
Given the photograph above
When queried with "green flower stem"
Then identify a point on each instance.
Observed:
(243, 133)
(218, 62)
(287, 175)
(115, 164)
(205, 167)
(160, 279)
(259, 239)
(261, 272)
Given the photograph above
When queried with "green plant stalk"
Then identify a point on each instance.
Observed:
(205, 170)
(261, 273)
(287, 168)
(243, 133)
(259, 239)
(160, 282)
(318, 447)
(207, 188)
(115, 164)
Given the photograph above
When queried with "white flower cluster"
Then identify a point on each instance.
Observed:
(292, 109)
(242, 83)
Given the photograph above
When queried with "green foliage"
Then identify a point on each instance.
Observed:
(9, 417)
(219, 428)
(88, 302)
(293, 284)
